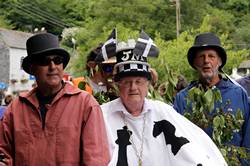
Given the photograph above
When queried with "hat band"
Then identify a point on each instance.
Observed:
(131, 66)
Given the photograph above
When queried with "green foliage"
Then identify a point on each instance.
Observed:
(224, 123)
(53, 15)
(82, 85)
(166, 90)
(192, 13)
(174, 55)
(137, 14)
(220, 21)
(174, 52)
(239, 9)
(4, 23)
(242, 33)
(201, 102)
(234, 58)
(102, 97)
(152, 16)
(154, 94)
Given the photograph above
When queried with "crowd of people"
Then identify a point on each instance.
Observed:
(56, 123)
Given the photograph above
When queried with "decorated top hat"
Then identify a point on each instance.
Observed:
(93, 56)
(131, 56)
(43, 44)
(204, 41)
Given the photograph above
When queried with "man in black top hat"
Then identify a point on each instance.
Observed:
(208, 57)
(54, 123)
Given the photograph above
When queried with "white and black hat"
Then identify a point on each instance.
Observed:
(131, 56)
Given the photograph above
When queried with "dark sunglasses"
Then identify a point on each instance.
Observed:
(107, 68)
(45, 61)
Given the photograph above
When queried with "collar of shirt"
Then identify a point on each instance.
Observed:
(117, 106)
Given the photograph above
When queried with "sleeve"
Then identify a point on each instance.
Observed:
(245, 140)
(246, 129)
(246, 124)
(6, 137)
(179, 103)
(94, 137)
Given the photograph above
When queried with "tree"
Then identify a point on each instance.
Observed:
(239, 9)
(242, 33)
(53, 15)
(4, 23)
(193, 12)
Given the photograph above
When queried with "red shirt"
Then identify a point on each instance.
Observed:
(74, 132)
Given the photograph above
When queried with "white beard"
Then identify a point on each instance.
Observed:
(207, 77)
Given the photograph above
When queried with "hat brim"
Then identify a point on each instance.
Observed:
(121, 75)
(193, 50)
(28, 60)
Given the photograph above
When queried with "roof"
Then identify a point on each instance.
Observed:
(245, 64)
(14, 39)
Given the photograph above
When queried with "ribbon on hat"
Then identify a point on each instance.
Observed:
(109, 48)
(145, 46)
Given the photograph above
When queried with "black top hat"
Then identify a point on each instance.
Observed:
(207, 40)
(43, 44)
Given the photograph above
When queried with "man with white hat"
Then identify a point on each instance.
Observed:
(144, 132)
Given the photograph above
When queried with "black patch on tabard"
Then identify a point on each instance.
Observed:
(123, 141)
(168, 130)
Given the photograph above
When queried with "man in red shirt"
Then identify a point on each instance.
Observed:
(54, 123)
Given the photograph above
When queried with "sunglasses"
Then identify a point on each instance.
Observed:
(45, 61)
(107, 68)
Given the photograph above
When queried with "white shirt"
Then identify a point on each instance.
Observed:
(198, 150)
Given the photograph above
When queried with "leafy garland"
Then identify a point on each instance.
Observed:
(201, 103)
(166, 90)
(101, 97)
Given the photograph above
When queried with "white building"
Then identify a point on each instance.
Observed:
(12, 51)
